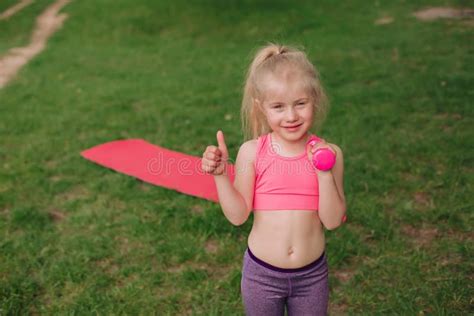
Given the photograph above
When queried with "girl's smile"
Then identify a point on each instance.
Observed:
(293, 128)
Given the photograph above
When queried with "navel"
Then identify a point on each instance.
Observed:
(290, 250)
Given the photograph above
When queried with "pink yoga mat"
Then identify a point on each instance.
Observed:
(157, 165)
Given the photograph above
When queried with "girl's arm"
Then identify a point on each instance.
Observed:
(332, 202)
(235, 199)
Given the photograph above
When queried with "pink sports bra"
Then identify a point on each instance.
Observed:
(283, 183)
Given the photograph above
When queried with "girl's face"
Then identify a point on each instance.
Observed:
(288, 107)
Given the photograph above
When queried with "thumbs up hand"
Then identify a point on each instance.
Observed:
(214, 159)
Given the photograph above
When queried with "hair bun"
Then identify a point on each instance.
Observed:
(270, 51)
(281, 49)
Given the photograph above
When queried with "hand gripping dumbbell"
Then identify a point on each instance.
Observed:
(323, 158)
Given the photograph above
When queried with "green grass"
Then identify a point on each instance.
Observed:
(77, 238)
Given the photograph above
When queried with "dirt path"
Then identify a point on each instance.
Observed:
(46, 24)
(14, 9)
(434, 13)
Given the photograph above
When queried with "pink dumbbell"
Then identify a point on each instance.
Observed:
(323, 158)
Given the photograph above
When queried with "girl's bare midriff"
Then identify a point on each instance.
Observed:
(287, 238)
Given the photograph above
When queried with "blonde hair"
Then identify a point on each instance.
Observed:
(272, 59)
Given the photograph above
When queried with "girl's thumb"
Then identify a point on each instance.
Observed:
(221, 142)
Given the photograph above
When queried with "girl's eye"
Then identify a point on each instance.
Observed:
(302, 103)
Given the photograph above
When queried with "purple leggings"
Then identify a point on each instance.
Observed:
(266, 289)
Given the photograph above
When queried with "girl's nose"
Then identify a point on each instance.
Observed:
(291, 115)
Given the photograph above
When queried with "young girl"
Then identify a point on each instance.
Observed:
(285, 263)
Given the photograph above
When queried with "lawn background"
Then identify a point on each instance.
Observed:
(80, 239)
